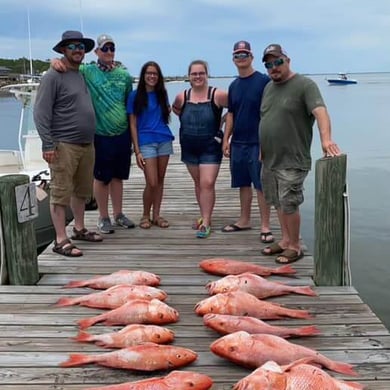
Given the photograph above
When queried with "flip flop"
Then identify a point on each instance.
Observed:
(273, 249)
(234, 228)
(266, 237)
(289, 256)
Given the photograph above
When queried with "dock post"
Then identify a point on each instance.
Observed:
(20, 248)
(329, 222)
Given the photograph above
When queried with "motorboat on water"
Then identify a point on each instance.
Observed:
(28, 160)
(342, 79)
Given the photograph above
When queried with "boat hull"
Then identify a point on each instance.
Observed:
(341, 82)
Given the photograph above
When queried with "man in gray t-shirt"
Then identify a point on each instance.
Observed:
(291, 103)
(65, 120)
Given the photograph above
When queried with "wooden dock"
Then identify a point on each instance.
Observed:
(35, 335)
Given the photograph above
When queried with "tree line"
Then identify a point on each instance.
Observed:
(22, 65)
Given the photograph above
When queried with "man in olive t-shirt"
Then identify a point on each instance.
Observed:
(290, 106)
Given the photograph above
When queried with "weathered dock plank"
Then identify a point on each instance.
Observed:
(36, 335)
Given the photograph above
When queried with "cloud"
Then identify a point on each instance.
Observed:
(319, 36)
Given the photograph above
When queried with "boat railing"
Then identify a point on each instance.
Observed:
(29, 142)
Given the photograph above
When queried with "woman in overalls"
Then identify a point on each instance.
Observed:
(200, 111)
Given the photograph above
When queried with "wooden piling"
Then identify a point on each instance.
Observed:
(20, 248)
(329, 229)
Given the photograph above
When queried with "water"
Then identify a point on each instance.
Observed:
(360, 127)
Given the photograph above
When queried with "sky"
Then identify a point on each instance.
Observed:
(320, 37)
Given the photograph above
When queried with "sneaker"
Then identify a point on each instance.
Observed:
(105, 227)
(122, 220)
(203, 232)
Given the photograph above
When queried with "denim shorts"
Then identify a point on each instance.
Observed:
(156, 149)
(245, 166)
(283, 188)
(199, 150)
(112, 157)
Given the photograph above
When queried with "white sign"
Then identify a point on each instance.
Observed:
(26, 202)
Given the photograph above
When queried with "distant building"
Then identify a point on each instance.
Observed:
(4, 70)
(6, 77)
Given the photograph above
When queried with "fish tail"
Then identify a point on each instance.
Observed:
(305, 290)
(75, 283)
(310, 330)
(342, 368)
(76, 359)
(285, 269)
(83, 337)
(297, 313)
(87, 322)
(65, 301)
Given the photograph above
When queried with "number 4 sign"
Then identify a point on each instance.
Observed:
(26, 202)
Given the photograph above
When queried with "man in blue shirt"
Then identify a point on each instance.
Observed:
(241, 140)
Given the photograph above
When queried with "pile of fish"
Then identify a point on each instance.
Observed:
(236, 309)
(133, 299)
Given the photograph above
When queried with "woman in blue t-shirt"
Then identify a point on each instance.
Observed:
(149, 114)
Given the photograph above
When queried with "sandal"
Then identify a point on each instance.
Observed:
(66, 248)
(203, 232)
(266, 237)
(85, 235)
(145, 223)
(289, 256)
(197, 223)
(272, 249)
(161, 222)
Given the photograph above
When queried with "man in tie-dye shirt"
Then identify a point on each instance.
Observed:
(109, 85)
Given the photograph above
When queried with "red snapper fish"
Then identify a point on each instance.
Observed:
(119, 277)
(225, 324)
(253, 350)
(295, 376)
(135, 311)
(219, 266)
(175, 380)
(142, 357)
(114, 296)
(255, 285)
(132, 334)
(240, 303)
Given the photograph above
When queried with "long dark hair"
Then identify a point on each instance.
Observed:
(141, 97)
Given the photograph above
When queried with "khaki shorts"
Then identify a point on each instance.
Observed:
(72, 173)
(283, 188)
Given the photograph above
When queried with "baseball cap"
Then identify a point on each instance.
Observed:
(242, 46)
(103, 39)
(274, 49)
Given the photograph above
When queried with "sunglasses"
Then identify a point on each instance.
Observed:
(271, 64)
(241, 56)
(105, 49)
(76, 46)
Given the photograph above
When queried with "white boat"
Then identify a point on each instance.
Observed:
(342, 79)
(27, 160)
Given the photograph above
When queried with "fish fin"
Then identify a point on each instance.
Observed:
(342, 368)
(75, 283)
(305, 290)
(310, 330)
(76, 359)
(65, 301)
(285, 269)
(87, 322)
(298, 313)
(83, 337)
